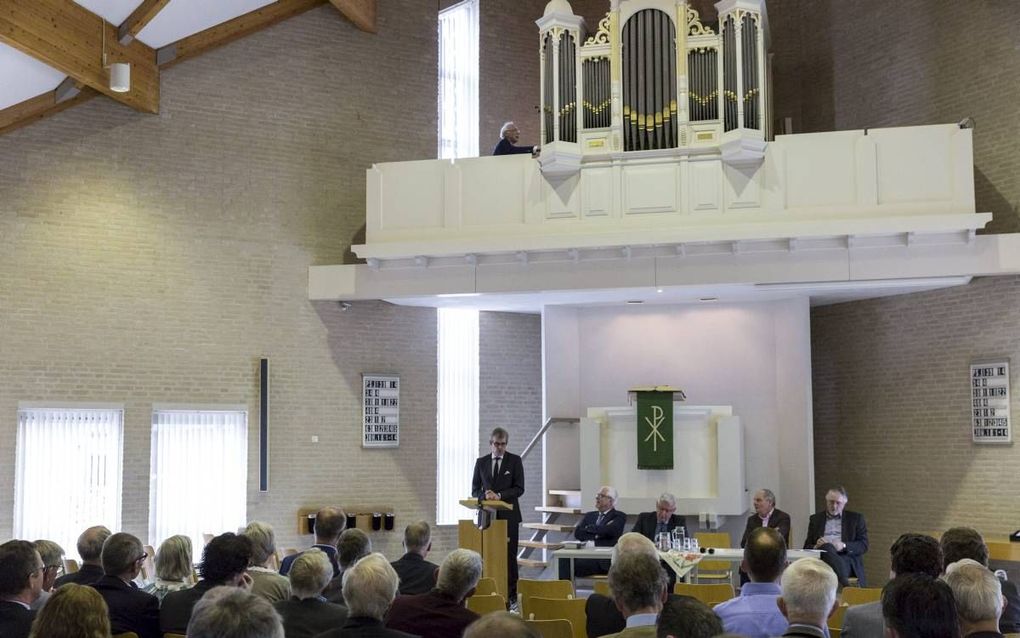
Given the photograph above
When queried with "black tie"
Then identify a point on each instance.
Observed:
(495, 470)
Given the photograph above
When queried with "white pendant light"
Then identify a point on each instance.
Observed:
(120, 77)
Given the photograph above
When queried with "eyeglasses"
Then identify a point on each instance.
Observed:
(498, 443)
(142, 557)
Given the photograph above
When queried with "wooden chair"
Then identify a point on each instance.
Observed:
(174, 636)
(126, 634)
(836, 621)
(486, 604)
(70, 566)
(708, 593)
(714, 569)
(486, 586)
(572, 609)
(602, 587)
(290, 551)
(552, 628)
(860, 595)
(527, 588)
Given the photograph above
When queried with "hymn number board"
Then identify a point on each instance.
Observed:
(989, 393)
(381, 399)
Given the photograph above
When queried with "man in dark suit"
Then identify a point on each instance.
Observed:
(508, 136)
(131, 609)
(663, 519)
(602, 615)
(963, 542)
(417, 575)
(329, 524)
(21, 579)
(370, 585)
(918, 605)
(441, 613)
(766, 514)
(307, 613)
(90, 550)
(225, 561)
(604, 526)
(500, 476)
(842, 536)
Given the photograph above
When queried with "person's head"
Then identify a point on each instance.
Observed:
(605, 498)
(638, 583)
(764, 501)
(684, 617)
(353, 545)
(73, 611)
(809, 592)
(418, 538)
(90, 544)
(173, 559)
(764, 555)
(665, 507)
(122, 556)
(835, 500)
(916, 553)
(225, 559)
(310, 573)
(498, 441)
(919, 606)
(263, 542)
(632, 543)
(21, 572)
(459, 573)
(370, 585)
(510, 132)
(53, 557)
(232, 612)
(329, 523)
(963, 542)
(501, 624)
(978, 595)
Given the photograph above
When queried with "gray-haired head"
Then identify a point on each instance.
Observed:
(506, 127)
(121, 553)
(370, 585)
(809, 591)
(263, 542)
(976, 590)
(232, 612)
(459, 573)
(667, 499)
(637, 582)
(310, 573)
(633, 542)
(90, 543)
(768, 495)
(418, 537)
(501, 624)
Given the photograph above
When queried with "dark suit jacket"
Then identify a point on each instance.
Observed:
(604, 535)
(504, 147)
(647, 523)
(330, 551)
(509, 484)
(417, 575)
(854, 533)
(175, 613)
(779, 521)
(362, 627)
(87, 575)
(604, 618)
(1009, 621)
(804, 631)
(310, 617)
(432, 615)
(15, 620)
(131, 609)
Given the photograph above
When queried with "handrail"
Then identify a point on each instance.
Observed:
(545, 426)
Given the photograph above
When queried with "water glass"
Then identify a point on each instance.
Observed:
(679, 538)
(663, 541)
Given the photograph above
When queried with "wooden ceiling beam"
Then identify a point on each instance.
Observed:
(360, 12)
(41, 106)
(139, 19)
(69, 38)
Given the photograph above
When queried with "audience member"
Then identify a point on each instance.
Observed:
(21, 579)
(964, 542)
(603, 526)
(754, 612)
(90, 550)
(809, 597)
(978, 596)
(173, 567)
(441, 613)
(265, 582)
(501, 624)
(307, 613)
(131, 609)
(919, 606)
(225, 562)
(684, 617)
(353, 545)
(417, 575)
(910, 554)
(233, 612)
(638, 585)
(371, 585)
(329, 523)
(53, 557)
(602, 615)
(842, 536)
(73, 611)
(766, 514)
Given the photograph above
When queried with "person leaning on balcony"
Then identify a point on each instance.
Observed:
(508, 136)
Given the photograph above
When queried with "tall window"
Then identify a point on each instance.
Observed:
(68, 472)
(199, 472)
(458, 80)
(457, 439)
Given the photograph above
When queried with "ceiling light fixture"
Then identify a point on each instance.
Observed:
(120, 72)
(634, 301)
(708, 299)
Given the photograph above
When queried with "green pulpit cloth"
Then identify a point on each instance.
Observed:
(655, 426)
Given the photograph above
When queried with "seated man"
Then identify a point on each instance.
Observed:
(417, 575)
(919, 606)
(371, 585)
(232, 612)
(978, 597)
(52, 556)
(90, 549)
(663, 519)
(685, 617)
(601, 613)
(329, 523)
(842, 536)
(21, 579)
(131, 609)
(963, 542)
(754, 612)
(809, 598)
(307, 613)
(225, 561)
(603, 526)
(441, 613)
(353, 545)
(638, 585)
(502, 624)
(767, 515)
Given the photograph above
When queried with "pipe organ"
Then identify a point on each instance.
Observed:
(654, 80)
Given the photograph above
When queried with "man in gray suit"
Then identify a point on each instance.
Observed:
(910, 554)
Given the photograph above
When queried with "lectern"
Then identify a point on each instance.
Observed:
(487, 536)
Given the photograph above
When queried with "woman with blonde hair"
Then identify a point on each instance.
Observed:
(73, 611)
(173, 567)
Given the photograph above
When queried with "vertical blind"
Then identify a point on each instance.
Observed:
(458, 80)
(68, 473)
(199, 473)
(457, 435)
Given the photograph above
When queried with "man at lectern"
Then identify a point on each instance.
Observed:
(499, 476)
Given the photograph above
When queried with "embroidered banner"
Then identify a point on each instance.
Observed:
(655, 430)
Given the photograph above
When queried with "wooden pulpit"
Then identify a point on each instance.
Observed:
(486, 535)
